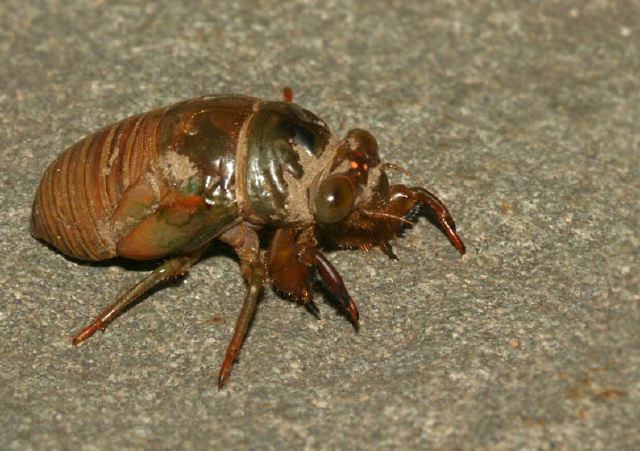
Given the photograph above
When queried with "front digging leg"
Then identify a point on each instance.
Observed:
(405, 201)
(381, 220)
(291, 258)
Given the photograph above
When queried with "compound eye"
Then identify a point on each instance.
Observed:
(335, 199)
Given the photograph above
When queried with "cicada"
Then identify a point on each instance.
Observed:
(269, 178)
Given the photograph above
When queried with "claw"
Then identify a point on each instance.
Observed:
(332, 280)
(388, 250)
(425, 197)
(354, 315)
(449, 229)
(312, 307)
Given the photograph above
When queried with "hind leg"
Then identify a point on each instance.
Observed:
(171, 268)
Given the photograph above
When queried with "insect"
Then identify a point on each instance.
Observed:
(266, 177)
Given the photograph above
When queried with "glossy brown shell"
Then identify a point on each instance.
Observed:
(252, 155)
(80, 191)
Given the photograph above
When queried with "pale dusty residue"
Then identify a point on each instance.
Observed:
(171, 169)
(241, 159)
(176, 168)
(108, 235)
(152, 180)
(302, 189)
(115, 151)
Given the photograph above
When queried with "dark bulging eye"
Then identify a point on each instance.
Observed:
(334, 200)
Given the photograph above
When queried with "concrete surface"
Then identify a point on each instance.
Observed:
(522, 116)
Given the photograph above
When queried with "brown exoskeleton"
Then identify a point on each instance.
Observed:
(167, 183)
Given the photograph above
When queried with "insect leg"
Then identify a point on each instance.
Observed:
(247, 246)
(254, 289)
(289, 262)
(422, 196)
(171, 268)
(387, 217)
(287, 273)
(403, 205)
(332, 280)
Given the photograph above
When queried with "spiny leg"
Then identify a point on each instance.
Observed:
(171, 268)
(403, 201)
(254, 289)
(287, 273)
(445, 219)
(290, 260)
(246, 243)
(384, 217)
(332, 280)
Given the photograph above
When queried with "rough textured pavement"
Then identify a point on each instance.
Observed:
(522, 116)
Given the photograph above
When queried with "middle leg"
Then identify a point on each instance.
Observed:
(246, 243)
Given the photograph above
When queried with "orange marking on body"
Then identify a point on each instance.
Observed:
(189, 202)
(354, 165)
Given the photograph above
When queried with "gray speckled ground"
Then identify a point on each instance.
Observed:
(523, 117)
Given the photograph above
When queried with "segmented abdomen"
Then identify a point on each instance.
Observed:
(81, 189)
